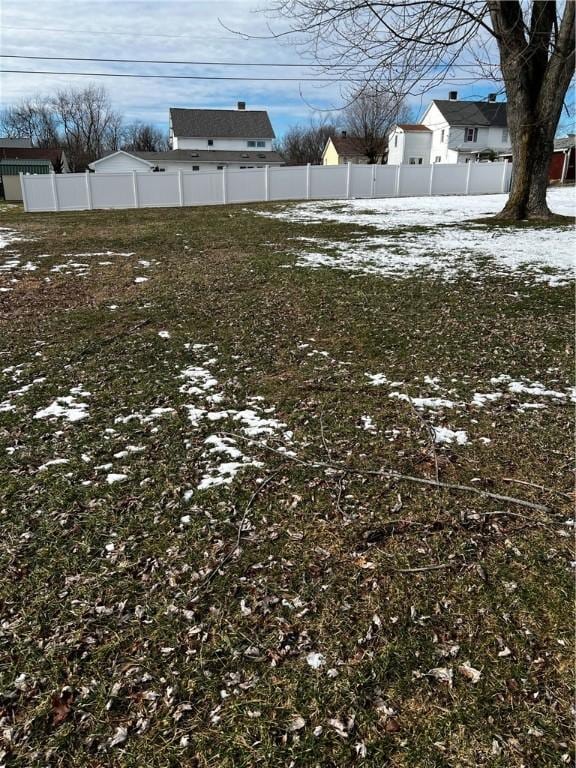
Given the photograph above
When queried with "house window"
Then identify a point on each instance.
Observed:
(195, 167)
(260, 143)
(396, 140)
(504, 135)
(415, 161)
(442, 136)
(219, 167)
(210, 142)
(437, 159)
(251, 143)
(471, 134)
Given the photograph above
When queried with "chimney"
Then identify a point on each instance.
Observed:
(492, 97)
(453, 96)
(343, 134)
(241, 105)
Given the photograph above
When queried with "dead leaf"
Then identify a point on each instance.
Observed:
(61, 707)
(469, 672)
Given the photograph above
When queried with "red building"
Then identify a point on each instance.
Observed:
(562, 162)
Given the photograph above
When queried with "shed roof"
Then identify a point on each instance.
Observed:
(352, 146)
(567, 142)
(221, 123)
(52, 154)
(10, 167)
(413, 127)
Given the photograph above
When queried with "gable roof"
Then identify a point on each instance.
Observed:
(221, 123)
(208, 155)
(31, 153)
(482, 113)
(567, 142)
(412, 127)
(195, 156)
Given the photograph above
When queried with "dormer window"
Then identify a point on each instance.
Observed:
(442, 132)
(251, 143)
(471, 134)
(260, 143)
(210, 142)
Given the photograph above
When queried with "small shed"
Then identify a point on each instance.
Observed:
(562, 162)
(10, 171)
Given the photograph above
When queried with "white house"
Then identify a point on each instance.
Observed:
(409, 143)
(204, 139)
(458, 132)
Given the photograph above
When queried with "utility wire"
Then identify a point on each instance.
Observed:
(213, 63)
(465, 81)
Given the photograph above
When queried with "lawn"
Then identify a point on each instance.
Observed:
(286, 485)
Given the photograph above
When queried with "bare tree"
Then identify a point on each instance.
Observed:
(143, 137)
(410, 46)
(89, 125)
(32, 119)
(302, 144)
(369, 117)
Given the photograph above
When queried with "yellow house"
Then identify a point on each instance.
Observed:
(340, 150)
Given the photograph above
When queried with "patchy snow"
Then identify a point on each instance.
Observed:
(451, 245)
(114, 477)
(140, 279)
(164, 334)
(315, 660)
(52, 463)
(424, 402)
(446, 435)
(66, 407)
(368, 423)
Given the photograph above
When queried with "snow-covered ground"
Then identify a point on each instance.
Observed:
(449, 246)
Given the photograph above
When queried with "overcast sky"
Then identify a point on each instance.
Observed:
(164, 29)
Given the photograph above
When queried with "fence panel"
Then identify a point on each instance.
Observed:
(111, 190)
(288, 183)
(154, 190)
(385, 185)
(246, 185)
(37, 196)
(450, 179)
(327, 181)
(361, 180)
(72, 195)
(79, 191)
(202, 187)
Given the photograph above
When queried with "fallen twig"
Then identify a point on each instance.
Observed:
(392, 473)
(424, 568)
(535, 485)
(229, 555)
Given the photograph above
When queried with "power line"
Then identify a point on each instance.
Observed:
(103, 33)
(465, 81)
(213, 63)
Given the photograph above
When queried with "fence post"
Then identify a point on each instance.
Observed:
(468, 172)
(54, 191)
(24, 200)
(348, 180)
(88, 191)
(504, 169)
(431, 182)
(308, 181)
(397, 182)
(266, 182)
(180, 189)
(224, 184)
(135, 189)
(373, 181)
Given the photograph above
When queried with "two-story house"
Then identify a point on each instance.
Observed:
(456, 131)
(204, 139)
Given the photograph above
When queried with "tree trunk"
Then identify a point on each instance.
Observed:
(537, 63)
(531, 155)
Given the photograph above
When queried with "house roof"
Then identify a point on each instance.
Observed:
(194, 156)
(221, 123)
(209, 155)
(481, 113)
(31, 153)
(567, 142)
(409, 127)
(351, 146)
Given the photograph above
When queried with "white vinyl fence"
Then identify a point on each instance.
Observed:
(85, 191)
